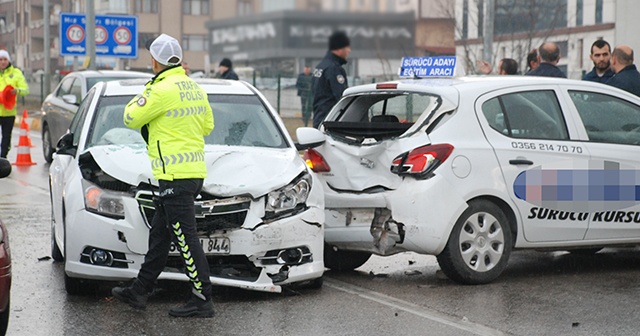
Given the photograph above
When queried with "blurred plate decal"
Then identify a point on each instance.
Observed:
(602, 186)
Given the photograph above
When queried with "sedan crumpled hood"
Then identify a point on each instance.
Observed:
(231, 170)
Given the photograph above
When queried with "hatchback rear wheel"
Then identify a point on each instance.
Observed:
(479, 245)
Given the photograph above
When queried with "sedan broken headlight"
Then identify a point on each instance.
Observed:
(101, 201)
(290, 196)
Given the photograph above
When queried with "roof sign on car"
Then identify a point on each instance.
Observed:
(435, 66)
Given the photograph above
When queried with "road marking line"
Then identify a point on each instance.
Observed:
(474, 328)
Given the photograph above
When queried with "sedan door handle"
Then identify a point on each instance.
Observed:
(520, 162)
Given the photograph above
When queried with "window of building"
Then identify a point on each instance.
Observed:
(391, 6)
(480, 17)
(146, 6)
(579, 8)
(516, 16)
(465, 19)
(374, 5)
(195, 42)
(195, 7)
(280, 5)
(144, 38)
(244, 7)
(598, 11)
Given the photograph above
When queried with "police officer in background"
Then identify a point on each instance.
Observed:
(172, 135)
(329, 78)
(11, 79)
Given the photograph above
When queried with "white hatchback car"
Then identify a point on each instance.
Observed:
(260, 214)
(469, 168)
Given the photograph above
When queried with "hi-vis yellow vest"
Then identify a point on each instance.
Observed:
(14, 77)
(176, 111)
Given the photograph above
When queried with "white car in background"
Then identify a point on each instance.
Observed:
(469, 168)
(260, 214)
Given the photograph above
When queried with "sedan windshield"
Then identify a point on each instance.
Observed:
(239, 120)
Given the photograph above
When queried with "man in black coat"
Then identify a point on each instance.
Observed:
(329, 78)
(225, 68)
(549, 55)
(627, 76)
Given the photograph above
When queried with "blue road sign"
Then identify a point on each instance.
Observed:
(435, 66)
(116, 35)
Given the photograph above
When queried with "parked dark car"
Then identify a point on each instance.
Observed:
(5, 262)
(61, 104)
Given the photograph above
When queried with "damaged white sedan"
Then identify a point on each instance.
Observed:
(260, 214)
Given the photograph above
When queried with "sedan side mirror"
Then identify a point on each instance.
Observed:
(308, 137)
(65, 145)
(5, 167)
(70, 99)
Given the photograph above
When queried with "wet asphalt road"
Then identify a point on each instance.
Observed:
(540, 293)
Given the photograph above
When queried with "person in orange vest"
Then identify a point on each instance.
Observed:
(12, 85)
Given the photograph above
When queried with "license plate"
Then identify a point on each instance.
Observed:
(210, 245)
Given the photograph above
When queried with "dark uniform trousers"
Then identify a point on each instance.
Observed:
(175, 220)
(6, 123)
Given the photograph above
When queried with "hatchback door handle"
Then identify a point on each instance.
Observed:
(520, 162)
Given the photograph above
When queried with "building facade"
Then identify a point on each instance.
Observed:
(191, 22)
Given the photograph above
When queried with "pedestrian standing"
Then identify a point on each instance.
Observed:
(532, 60)
(303, 84)
(506, 66)
(626, 75)
(601, 58)
(172, 135)
(12, 85)
(225, 69)
(329, 78)
(549, 56)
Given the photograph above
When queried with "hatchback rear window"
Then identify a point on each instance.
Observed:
(379, 116)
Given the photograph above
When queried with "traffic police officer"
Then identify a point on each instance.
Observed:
(175, 144)
(329, 78)
(12, 80)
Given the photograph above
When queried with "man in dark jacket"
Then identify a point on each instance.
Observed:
(549, 55)
(303, 84)
(329, 78)
(601, 57)
(627, 76)
(225, 68)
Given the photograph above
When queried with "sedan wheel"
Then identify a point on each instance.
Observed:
(479, 245)
(47, 145)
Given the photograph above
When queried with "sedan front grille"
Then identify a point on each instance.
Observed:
(211, 214)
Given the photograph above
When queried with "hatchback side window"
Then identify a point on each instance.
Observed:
(608, 119)
(529, 115)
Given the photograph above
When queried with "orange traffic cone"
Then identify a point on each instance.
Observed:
(24, 144)
(23, 124)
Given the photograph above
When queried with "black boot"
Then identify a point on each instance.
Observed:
(195, 307)
(130, 296)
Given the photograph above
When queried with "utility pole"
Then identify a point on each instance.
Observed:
(46, 85)
(489, 9)
(90, 38)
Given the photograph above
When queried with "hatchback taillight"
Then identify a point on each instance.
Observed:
(315, 161)
(422, 161)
